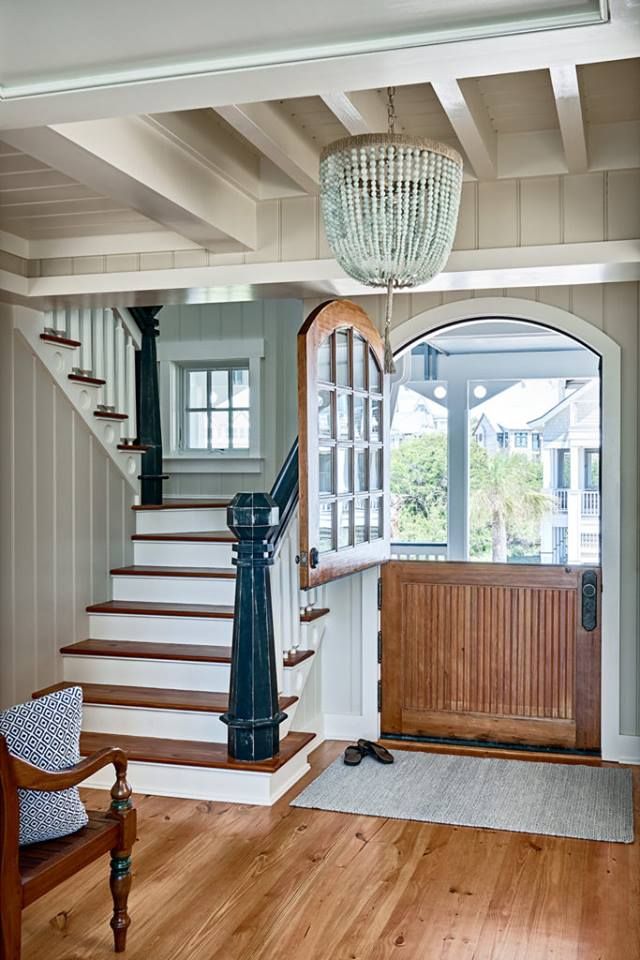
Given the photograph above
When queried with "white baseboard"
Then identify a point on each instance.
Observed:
(348, 726)
(623, 749)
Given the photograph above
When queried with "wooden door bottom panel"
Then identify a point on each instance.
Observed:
(550, 732)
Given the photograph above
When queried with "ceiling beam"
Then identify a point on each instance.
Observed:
(135, 165)
(292, 73)
(363, 111)
(273, 133)
(467, 113)
(566, 91)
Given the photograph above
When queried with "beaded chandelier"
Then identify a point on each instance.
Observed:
(390, 207)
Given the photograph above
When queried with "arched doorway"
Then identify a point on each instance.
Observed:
(437, 319)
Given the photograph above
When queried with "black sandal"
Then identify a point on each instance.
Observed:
(376, 750)
(353, 755)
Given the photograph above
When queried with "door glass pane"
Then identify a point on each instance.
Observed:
(376, 420)
(327, 527)
(240, 429)
(361, 520)
(220, 430)
(375, 474)
(361, 470)
(375, 374)
(345, 523)
(197, 389)
(198, 431)
(325, 419)
(324, 361)
(219, 388)
(239, 388)
(325, 472)
(359, 362)
(359, 417)
(376, 518)
(342, 358)
(345, 462)
(343, 405)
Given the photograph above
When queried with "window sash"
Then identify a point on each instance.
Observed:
(229, 408)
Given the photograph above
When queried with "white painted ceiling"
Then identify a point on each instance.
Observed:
(79, 39)
(499, 336)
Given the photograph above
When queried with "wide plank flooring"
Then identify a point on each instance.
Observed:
(214, 881)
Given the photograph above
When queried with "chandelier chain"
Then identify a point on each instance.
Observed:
(391, 110)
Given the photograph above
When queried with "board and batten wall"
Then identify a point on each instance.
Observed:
(65, 520)
(210, 327)
(615, 309)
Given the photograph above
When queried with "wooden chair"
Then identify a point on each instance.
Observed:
(28, 872)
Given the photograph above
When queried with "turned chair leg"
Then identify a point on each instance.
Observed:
(120, 883)
(10, 932)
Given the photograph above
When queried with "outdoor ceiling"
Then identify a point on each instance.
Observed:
(499, 336)
(76, 45)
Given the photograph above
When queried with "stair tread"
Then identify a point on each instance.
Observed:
(81, 378)
(152, 608)
(191, 753)
(179, 504)
(139, 570)
(294, 657)
(112, 694)
(110, 415)
(144, 649)
(62, 341)
(196, 536)
(314, 614)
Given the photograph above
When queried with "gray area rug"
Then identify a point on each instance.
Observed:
(562, 800)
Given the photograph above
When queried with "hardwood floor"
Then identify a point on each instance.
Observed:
(214, 881)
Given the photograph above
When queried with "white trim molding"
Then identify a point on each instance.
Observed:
(615, 746)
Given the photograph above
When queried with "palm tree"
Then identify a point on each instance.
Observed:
(506, 491)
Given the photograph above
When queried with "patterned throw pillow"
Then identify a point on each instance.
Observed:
(46, 733)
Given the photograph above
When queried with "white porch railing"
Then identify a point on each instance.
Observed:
(561, 498)
(405, 550)
(590, 503)
(108, 341)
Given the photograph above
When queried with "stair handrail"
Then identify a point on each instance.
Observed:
(285, 491)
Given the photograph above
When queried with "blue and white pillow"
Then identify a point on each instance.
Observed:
(46, 733)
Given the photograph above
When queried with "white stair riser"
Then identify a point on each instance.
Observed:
(180, 521)
(203, 783)
(165, 724)
(174, 589)
(163, 674)
(107, 626)
(171, 553)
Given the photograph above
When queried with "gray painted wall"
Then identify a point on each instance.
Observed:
(65, 520)
(276, 322)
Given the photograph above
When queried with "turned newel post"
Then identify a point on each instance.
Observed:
(254, 716)
(148, 403)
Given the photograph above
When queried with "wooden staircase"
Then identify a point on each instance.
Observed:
(155, 670)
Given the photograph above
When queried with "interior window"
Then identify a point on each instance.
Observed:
(216, 401)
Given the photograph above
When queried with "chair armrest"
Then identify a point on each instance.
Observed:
(28, 777)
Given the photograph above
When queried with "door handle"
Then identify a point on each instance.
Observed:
(589, 600)
(314, 558)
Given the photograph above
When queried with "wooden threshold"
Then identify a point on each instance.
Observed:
(158, 698)
(179, 504)
(294, 657)
(504, 753)
(148, 650)
(143, 608)
(191, 753)
(60, 341)
(207, 573)
(208, 536)
(314, 615)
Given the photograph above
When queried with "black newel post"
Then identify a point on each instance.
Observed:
(148, 400)
(254, 716)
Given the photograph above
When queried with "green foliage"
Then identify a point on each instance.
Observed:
(506, 499)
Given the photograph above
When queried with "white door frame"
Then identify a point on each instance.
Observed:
(615, 746)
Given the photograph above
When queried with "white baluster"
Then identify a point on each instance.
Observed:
(97, 318)
(109, 360)
(120, 368)
(74, 323)
(285, 597)
(86, 350)
(132, 423)
(49, 322)
(60, 321)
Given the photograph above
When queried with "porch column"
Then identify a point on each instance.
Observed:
(254, 715)
(574, 508)
(458, 479)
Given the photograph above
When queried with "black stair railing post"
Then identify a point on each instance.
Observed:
(148, 403)
(254, 715)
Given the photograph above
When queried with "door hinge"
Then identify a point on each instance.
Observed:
(379, 696)
(379, 593)
(379, 646)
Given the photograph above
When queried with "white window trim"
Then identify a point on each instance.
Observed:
(174, 355)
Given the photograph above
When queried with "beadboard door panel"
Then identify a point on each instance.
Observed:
(494, 652)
